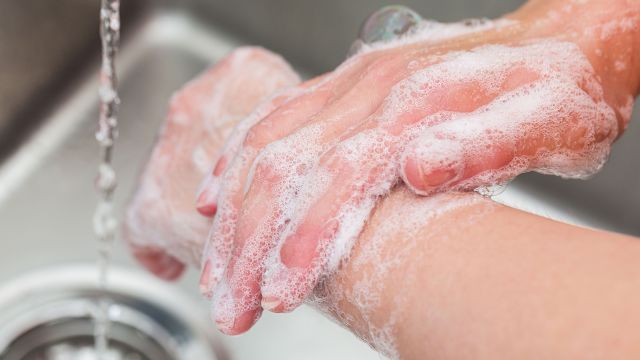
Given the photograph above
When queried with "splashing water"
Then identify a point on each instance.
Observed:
(104, 222)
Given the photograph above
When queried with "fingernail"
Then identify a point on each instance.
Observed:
(204, 280)
(278, 294)
(438, 176)
(423, 179)
(171, 272)
(205, 205)
(223, 309)
(271, 303)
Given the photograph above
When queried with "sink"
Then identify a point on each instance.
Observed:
(46, 191)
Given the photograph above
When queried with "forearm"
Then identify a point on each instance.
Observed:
(485, 281)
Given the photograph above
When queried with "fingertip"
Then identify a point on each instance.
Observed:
(240, 324)
(424, 180)
(207, 195)
(158, 262)
(412, 174)
(284, 289)
(206, 204)
(172, 272)
(272, 303)
(432, 162)
(230, 316)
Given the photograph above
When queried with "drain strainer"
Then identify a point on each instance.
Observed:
(49, 315)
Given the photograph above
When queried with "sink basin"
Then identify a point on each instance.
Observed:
(46, 190)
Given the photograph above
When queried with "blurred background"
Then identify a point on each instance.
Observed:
(49, 52)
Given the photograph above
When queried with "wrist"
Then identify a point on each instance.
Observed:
(376, 292)
(609, 34)
(607, 31)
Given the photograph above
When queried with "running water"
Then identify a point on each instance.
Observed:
(104, 222)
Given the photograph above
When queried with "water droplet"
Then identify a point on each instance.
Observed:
(492, 190)
(388, 23)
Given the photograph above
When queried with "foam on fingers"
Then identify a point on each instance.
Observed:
(537, 106)
(210, 186)
(161, 224)
(549, 126)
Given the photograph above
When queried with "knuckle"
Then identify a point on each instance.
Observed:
(258, 136)
(251, 139)
(266, 130)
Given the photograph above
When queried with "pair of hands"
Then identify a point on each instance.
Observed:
(304, 166)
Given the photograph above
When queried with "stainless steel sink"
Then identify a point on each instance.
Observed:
(46, 190)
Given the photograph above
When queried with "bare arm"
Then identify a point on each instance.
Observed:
(484, 281)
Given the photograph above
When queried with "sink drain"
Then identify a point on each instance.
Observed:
(49, 315)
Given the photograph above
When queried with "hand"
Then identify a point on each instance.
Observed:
(162, 227)
(474, 109)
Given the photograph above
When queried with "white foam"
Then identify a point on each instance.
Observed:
(429, 31)
(201, 116)
(388, 249)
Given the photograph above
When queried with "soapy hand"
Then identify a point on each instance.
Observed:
(162, 227)
(449, 107)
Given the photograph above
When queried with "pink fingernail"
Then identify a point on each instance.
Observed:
(271, 303)
(439, 176)
(204, 280)
(204, 205)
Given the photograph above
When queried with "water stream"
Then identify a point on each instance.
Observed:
(104, 222)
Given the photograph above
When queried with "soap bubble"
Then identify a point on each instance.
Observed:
(492, 190)
(386, 24)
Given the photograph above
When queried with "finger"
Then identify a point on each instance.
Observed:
(267, 73)
(272, 183)
(264, 213)
(210, 187)
(161, 224)
(279, 124)
(328, 210)
(434, 96)
(237, 297)
(549, 127)
(158, 262)
(259, 126)
(321, 229)
(228, 204)
(228, 315)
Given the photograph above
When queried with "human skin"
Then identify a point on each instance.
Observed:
(485, 281)
(606, 33)
(162, 227)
